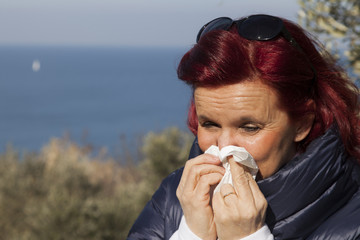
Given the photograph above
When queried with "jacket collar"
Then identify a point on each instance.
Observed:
(310, 188)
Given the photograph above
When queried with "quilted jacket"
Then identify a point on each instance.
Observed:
(315, 196)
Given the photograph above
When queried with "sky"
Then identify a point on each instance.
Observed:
(122, 22)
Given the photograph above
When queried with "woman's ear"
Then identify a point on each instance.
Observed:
(304, 125)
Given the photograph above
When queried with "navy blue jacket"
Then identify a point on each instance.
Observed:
(315, 196)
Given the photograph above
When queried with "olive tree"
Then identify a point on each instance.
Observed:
(337, 23)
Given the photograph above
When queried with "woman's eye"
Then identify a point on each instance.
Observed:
(250, 128)
(209, 124)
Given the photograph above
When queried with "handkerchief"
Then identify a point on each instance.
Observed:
(239, 154)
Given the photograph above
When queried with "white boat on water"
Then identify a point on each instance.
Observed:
(36, 65)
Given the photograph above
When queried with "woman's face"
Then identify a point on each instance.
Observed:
(246, 115)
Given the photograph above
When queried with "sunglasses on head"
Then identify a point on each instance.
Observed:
(255, 27)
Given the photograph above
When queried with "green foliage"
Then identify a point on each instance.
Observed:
(337, 21)
(165, 152)
(64, 192)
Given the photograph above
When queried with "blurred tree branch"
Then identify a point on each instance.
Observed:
(338, 22)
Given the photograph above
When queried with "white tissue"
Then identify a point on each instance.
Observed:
(239, 154)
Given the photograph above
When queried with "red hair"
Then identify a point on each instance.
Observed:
(224, 57)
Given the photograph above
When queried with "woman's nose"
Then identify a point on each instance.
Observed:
(226, 138)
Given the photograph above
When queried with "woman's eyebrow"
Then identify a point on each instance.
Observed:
(203, 118)
(248, 119)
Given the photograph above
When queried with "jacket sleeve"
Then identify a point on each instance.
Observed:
(161, 216)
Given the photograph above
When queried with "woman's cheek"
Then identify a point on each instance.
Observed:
(205, 139)
(258, 147)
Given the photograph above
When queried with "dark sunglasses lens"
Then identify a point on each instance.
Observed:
(222, 23)
(260, 27)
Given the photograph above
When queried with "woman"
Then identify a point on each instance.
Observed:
(260, 83)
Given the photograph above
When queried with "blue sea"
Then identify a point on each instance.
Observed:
(95, 95)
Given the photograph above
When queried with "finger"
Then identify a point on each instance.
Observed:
(241, 181)
(201, 195)
(199, 160)
(228, 194)
(205, 158)
(202, 159)
(220, 209)
(218, 204)
(194, 169)
(196, 173)
(205, 183)
(259, 198)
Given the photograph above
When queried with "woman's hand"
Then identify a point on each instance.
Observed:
(240, 210)
(194, 194)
